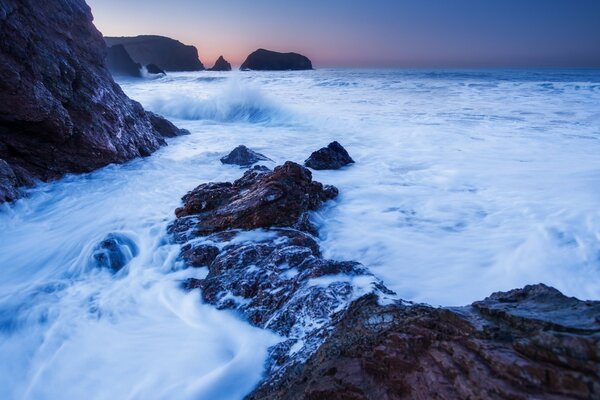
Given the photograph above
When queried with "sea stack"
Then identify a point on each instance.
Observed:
(60, 110)
(267, 60)
(120, 63)
(221, 65)
(169, 54)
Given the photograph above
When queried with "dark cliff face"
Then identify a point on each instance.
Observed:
(266, 60)
(119, 62)
(167, 53)
(221, 65)
(60, 110)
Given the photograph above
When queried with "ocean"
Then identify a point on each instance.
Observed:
(466, 182)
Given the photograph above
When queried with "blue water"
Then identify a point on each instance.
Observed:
(465, 183)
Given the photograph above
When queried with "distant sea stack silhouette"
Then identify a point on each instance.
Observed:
(221, 65)
(169, 54)
(267, 60)
(119, 62)
(60, 110)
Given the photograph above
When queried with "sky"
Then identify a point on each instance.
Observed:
(372, 33)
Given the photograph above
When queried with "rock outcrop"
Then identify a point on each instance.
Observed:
(243, 157)
(60, 110)
(120, 63)
(345, 336)
(334, 156)
(221, 65)
(154, 69)
(266, 60)
(170, 54)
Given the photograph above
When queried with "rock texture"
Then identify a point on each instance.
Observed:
(170, 54)
(221, 65)
(244, 157)
(334, 156)
(60, 110)
(266, 60)
(120, 63)
(345, 336)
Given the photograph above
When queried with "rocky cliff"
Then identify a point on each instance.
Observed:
(120, 63)
(60, 110)
(266, 60)
(167, 53)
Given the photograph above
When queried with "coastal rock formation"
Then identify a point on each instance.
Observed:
(346, 336)
(170, 54)
(259, 199)
(243, 156)
(115, 252)
(120, 63)
(165, 127)
(334, 156)
(523, 344)
(266, 60)
(60, 110)
(221, 65)
(155, 69)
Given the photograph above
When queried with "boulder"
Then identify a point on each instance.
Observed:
(266, 60)
(165, 127)
(60, 110)
(221, 65)
(120, 63)
(259, 199)
(115, 251)
(170, 54)
(244, 157)
(154, 69)
(334, 156)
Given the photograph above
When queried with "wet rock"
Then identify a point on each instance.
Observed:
(170, 54)
(199, 255)
(221, 65)
(155, 69)
(120, 63)
(60, 110)
(334, 156)
(164, 127)
(400, 351)
(266, 60)
(115, 252)
(8, 183)
(259, 199)
(244, 157)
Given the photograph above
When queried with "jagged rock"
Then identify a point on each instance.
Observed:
(221, 65)
(120, 63)
(334, 156)
(170, 54)
(155, 69)
(243, 156)
(527, 343)
(8, 183)
(60, 110)
(266, 60)
(259, 199)
(165, 127)
(115, 252)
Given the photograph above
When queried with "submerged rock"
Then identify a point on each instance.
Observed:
(60, 110)
(115, 252)
(243, 156)
(155, 69)
(221, 65)
(334, 156)
(170, 54)
(120, 63)
(267, 60)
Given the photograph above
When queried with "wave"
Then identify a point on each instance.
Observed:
(235, 103)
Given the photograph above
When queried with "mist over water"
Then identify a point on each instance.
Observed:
(465, 183)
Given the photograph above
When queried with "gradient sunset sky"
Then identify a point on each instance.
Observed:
(386, 33)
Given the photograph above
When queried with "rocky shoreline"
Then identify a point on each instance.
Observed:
(345, 335)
